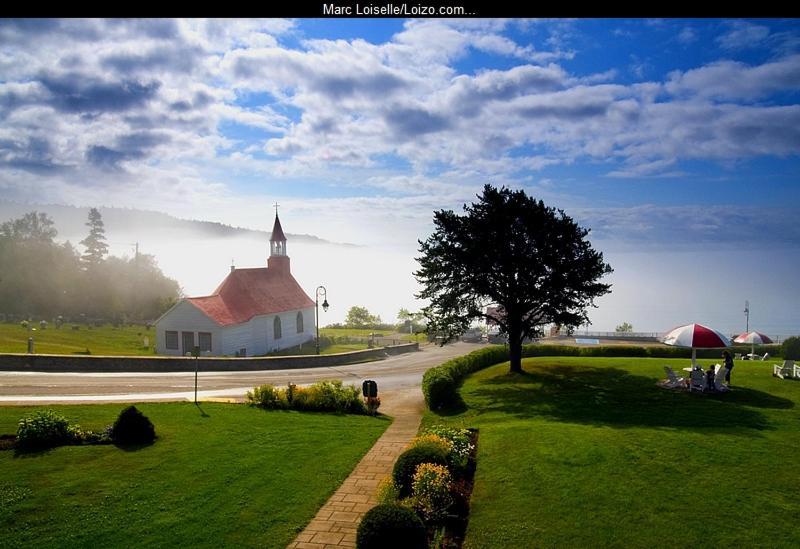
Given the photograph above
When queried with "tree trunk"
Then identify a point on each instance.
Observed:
(515, 351)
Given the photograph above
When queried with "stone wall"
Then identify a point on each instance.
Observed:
(83, 363)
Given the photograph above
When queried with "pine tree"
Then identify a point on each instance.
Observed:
(95, 243)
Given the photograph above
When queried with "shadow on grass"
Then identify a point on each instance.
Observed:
(134, 447)
(202, 412)
(615, 397)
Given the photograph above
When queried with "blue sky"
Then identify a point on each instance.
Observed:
(661, 135)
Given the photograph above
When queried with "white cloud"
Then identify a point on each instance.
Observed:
(743, 35)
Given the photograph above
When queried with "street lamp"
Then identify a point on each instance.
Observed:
(321, 291)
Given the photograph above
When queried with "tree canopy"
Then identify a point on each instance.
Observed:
(532, 262)
(360, 317)
(42, 279)
(95, 243)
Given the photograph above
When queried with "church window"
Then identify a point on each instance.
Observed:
(204, 339)
(171, 340)
(276, 327)
(299, 322)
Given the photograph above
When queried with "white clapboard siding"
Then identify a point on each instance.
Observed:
(185, 317)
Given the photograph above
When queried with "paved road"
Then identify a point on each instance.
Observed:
(398, 372)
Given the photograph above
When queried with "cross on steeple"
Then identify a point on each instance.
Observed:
(276, 208)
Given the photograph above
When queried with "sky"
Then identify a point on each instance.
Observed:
(676, 141)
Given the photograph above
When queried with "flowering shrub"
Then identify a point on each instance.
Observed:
(406, 465)
(461, 447)
(387, 491)
(373, 403)
(432, 439)
(431, 492)
(45, 429)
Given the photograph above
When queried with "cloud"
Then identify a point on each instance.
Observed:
(216, 102)
(743, 35)
(651, 226)
(75, 92)
(728, 80)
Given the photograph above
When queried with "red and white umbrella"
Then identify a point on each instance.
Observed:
(753, 338)
(696, 336)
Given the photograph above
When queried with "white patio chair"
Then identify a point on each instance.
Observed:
(796, 371)
(719, 379)
(672, 381)
(783, 370)
(765, 357)
(697, 380)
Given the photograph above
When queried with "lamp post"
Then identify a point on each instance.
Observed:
(321, 291)
(747, 315)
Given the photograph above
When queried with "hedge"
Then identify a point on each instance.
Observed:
(440, 384)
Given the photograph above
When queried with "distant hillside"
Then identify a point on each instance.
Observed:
(71, 223)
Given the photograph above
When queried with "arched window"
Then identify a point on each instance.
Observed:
(276, 327)
(299, 322)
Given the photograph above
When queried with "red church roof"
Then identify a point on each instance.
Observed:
(246, 293)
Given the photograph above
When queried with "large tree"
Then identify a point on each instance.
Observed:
(95, 243)
(360, 317)
(532, 262)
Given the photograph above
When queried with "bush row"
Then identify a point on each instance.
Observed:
(325, 396)
(423, 493)
(440, 384)
(47, 429)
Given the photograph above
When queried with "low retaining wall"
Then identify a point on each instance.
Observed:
(82, 363)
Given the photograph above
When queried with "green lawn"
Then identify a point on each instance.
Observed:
(589, 452)
(221, 475)
(105, 340)
(129, 340)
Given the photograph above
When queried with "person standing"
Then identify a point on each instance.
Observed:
(728, 366)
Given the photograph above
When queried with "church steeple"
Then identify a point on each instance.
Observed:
(278, 260)
(277, 242)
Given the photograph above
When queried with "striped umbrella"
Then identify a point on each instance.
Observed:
(753, 338)
(696, 336)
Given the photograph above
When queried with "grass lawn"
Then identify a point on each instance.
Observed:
(589, 452)
(105, 340)
(223, 475)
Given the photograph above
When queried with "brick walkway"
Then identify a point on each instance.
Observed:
(335, 524)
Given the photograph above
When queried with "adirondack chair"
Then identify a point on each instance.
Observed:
(784, 370)
(697, 380)
(719, 379)
(672, 381)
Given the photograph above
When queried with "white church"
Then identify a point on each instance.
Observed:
(253, 312)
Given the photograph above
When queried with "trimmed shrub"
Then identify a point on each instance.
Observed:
(132, 427)
(430, 491)
(406, 465)
(267, 396)
(45, 429)
(439, 384)
(391, 526)
(791, 348)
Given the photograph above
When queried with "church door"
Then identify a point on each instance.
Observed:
(188, 342)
